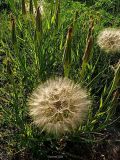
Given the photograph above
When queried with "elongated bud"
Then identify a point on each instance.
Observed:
(88, 49)
(91, 29)
(116, 95)
(31, 7)
(39, 21)
(115, 82)
(23, 7)
(117, 74)
(112, 109)
(35, 4)
(57, 13)
(75, 18)
(56, 3)
(13, 30)
(67, 51)
(89, 42)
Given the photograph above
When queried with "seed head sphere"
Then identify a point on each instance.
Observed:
(59, 105)
(109, 40)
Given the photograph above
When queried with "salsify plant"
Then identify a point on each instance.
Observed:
(109, 40)
(59, 105)
(59, 42)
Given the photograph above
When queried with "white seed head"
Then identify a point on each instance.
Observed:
(109, 40)
(59, 106)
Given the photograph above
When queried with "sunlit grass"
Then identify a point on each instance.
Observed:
(35, 47)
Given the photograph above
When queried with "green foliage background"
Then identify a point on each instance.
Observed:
(30, 61)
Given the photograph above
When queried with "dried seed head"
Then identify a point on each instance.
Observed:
(88, 49)
(57, 13)
(109, 40)
(23, 7)
(13, 30)
(39, 21)
(59, 106)
(31, 7)
(91, 29)
(67, 51)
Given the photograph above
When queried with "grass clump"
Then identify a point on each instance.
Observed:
(48, 40)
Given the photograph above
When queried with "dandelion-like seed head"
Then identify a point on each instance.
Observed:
(59, 105)
(109, 40)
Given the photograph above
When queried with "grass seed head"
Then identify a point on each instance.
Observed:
(13, 30)
(39, 20)
(31, 7)
(59, 106)
(23, 7)
(67, 51)
(88, 49)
